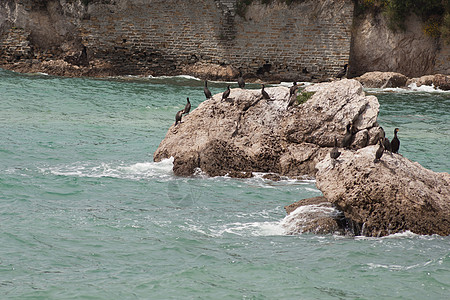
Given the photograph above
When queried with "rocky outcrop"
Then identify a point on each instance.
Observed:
(211, 71)
(390, 196)
(439, 81)
(245, 133)
(382, 80)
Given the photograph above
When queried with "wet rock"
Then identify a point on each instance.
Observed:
(391, 196)
(442, 82)
(382, 80)
(272, 176)
(313, 215)
(424, 80)
(246, 133)
(439, 81)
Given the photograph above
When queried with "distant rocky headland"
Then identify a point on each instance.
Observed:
(276, 40)
(244, 132)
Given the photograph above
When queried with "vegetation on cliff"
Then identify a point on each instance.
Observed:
(434, 13)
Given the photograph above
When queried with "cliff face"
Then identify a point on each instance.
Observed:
(413, 53)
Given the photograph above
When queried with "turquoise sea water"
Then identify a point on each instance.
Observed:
(86, 214)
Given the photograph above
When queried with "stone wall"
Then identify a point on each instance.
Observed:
(157, 37)
(306, 40)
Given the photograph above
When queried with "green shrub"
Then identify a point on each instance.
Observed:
(304, 96)
(430, 11)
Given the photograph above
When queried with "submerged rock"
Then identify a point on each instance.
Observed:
(382, 80)
(245, 133)
(391, 196)
(313, 215)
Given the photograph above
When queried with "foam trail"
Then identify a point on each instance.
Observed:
(137, 171)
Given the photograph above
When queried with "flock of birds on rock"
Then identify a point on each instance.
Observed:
(226, 94)
(384, 144)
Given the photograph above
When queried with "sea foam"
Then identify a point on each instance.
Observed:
(137, 171)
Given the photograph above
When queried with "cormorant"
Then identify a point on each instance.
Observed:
(335, 151)
(387, 145)
(291, 101)
(241, 81)
(264, 93)
(206, 91)
(187, 108)
(380, 151)
(226, 93)
(342, 72)
(347, 140)
(395, 143)
(293, 89)
(178, 117)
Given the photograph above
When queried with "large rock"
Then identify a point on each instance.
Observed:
(246, 133)
(386, 197)
(382, 80)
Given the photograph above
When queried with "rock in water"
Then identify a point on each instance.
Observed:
(253, 135)
(382, 80)
(389, 197)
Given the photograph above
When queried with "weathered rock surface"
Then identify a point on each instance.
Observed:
(211, 71)
(382, 80)
(387, 197)
(375, 47)
(248, 134)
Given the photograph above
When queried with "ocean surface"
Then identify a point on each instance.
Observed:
(85, 213)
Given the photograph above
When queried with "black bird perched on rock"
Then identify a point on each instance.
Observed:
(291, 101)
(178, 117)
(387, 145)
(395, 143)
(335, 151)
(380, 151)
(226, 93)
(342, 72)
(347, 140)
(206, 91)
(187, 108)
(241, 81)
(264, 93)
(293, 89)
